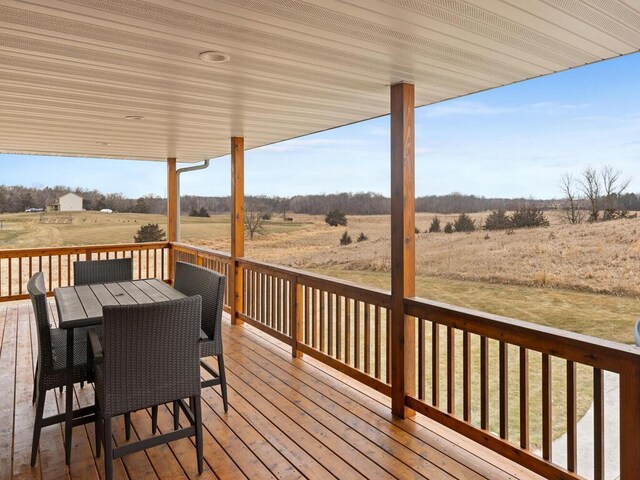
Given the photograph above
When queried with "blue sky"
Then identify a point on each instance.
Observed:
(512, 141)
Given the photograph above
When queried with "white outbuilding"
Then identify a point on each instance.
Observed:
(69, 202)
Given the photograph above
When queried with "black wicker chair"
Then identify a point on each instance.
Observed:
(102, 271)
(149, 356)
(195, 280)
(51, 370)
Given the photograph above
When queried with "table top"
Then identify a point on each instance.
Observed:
(81, 305)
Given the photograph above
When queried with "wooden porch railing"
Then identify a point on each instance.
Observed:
(150, 260)
(463, 357)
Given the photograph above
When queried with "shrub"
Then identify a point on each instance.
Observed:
(464, 223)
(497, 220)
(336, 217)
(448, 228)
(362, 237)
(435, 225)
(202, 212)
(416, 230)
(266, 216)
(345, 239)
(528, 217)
(150, 232)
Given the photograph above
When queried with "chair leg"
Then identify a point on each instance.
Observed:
(197, 414)
(154, 419)
(223, 382)
(108, 449)
(37, 427)
(82, 384)
(98, 429)
(176, 416)
(35, 386)
(127, 426)
(60, 390)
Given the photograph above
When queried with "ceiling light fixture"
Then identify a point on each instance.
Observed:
(134, 117)
(215, 57)
(102, 143)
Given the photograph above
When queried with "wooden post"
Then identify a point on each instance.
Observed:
(172, 212)
(295, 316)
(237, 226)
(402, 246)
(629, 422)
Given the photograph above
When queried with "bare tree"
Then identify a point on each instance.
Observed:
(253, 222)
(613, 185)
(591, 188)
(574, 213)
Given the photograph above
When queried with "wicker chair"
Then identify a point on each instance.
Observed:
(102, 271)
(194, 280)
(150, 357)
(51, 366)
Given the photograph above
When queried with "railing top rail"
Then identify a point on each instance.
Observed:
(371, 295)
(185, 247)
(35, 252)
(596, 352)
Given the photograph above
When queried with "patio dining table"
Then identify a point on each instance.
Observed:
(81, 306)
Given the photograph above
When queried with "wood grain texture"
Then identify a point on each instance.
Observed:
(237, 225)
(402, 244)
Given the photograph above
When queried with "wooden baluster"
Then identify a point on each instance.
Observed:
(484, 383)
(330, 325)
(356, 334)
(389, 349)
(504, 390)
(255, 298)
(435, 364)
(451, 370)
(307, 315)
(59, 270)
(1, 277)
(367, 338)
(279, 298)
(347, 330)
(629, 420)
(321, 295)
(139, 252)
(10, 290)
(161, 263)
(547, 423)
(466, 376)
(572, 432)
(263, 298)
(377, 342)
(524, 398)
(598, 424)
(30, 267)
(422, 340)
(314, 318)
(50, 275)
(19, 275)
(338, 327)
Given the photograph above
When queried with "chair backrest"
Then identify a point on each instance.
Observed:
(636, 332)
(38, 295)
(151, 354)
(102, 271)
(195, 280)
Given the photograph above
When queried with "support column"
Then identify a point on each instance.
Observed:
(402, 245)
(172, 211)
(237, 226)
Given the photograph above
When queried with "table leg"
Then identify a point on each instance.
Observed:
(68, 423)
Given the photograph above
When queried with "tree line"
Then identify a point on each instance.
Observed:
(19, 198)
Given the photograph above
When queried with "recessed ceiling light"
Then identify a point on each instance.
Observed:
(215, 57)
(102, 143)
(134, 117)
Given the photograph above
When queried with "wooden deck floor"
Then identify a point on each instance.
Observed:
(287, 419)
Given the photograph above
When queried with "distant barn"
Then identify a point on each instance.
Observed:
(69, 202)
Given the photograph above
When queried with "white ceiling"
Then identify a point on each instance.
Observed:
(70, 71)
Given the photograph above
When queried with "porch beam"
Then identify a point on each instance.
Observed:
(402, 245)
(172, 211)
(237, 226)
